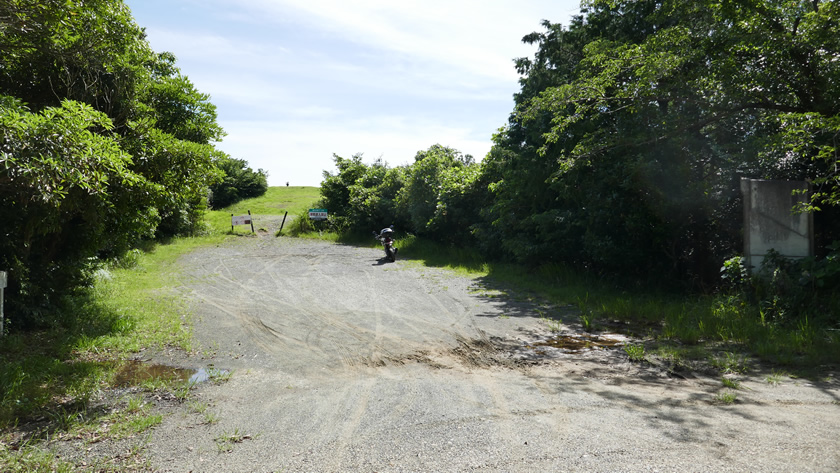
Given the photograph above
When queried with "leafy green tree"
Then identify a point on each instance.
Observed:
(361, 197)
(239, 182)
(335, 188)
(103, 142)
(90, 51)
(634, 125)
(57, 183)
(182, 172)
(432, 199)
(175, 105)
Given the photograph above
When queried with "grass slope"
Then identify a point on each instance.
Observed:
(274, 203)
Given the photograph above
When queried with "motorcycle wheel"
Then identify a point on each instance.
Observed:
(392, 255)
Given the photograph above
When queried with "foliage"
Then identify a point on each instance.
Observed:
(439, 198)
(103, 143)
(181, 171)
(176, 107)
(437, 195)
(89, 51)
(634, 124)
(789, 292)
(361, 197)
(635, 352)
(59, 183)
(239, 182)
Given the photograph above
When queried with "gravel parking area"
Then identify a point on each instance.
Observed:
(342, 361)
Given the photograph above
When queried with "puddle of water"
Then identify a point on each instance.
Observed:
(578, 343)
(201, 375)
(137, 372)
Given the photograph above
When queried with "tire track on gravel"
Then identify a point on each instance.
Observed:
(261, 333)
(305, 299)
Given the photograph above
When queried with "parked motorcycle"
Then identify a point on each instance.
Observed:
(386, 237)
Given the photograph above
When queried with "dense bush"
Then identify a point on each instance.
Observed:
(362, 197)
(788, 291)
(103, 142)
(239, 182)
(434, 196)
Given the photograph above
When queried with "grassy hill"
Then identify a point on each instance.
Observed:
(266, 209)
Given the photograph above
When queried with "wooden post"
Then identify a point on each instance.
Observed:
(252, 221)
(231, 223)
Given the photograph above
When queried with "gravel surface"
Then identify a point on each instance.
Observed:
(341, 361)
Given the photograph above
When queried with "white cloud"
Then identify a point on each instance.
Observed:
(478, 36)
(299, 151)
(298, 80)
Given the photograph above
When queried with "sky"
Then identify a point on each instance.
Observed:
(296, 81)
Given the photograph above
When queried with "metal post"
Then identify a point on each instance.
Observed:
(284, 221)
(252, 221)
(231, 223)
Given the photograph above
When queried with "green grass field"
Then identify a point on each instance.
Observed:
(275, 202)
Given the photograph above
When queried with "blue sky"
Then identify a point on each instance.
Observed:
(295, 81)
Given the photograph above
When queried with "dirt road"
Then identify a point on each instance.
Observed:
(343, 362)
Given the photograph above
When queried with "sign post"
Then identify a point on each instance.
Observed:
(241, 220)
(3, 284)
(317, 214)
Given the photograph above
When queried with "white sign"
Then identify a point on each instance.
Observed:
(3, 281)
(241, 220)
(318, 214)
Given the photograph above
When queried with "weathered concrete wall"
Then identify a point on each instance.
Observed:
(771, 223)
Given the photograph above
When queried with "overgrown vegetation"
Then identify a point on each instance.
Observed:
(239, 182)
(103, 144)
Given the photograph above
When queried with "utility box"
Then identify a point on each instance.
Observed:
(771, 220)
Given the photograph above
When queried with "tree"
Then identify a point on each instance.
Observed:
(432, 199)
(239, 182)
(359, 196)
(632, 148)
(89, 51)
(436, 196)
(176, 107)
(103, 143)
(57, 183)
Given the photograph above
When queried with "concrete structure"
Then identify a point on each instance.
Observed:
(771, 222)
